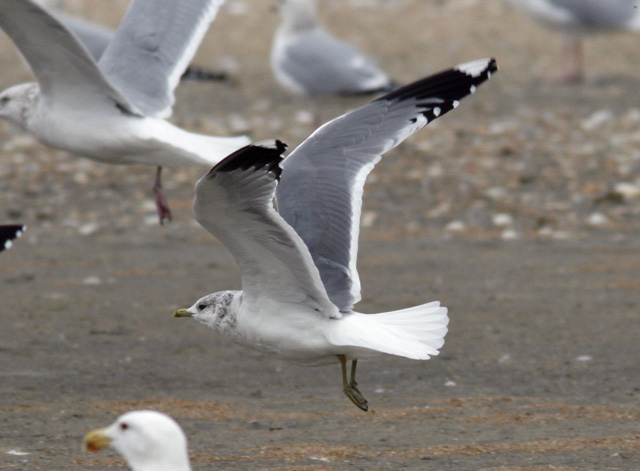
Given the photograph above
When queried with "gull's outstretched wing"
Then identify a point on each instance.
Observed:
(320, 193)
(152, 48)
(62, 65)
(234, 203)
(9, 233)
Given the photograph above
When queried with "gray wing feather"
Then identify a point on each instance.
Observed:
(320, 192)
(93, 36)
(234, 203)
(152, 48)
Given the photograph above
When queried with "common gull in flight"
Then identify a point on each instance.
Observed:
(113, 111)
(577, 18)
(307, 60)
(146, 439)
(298, 265)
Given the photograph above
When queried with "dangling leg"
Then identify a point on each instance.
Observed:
(161, 202)
(350, 388)
(352, 381)
(572, 60)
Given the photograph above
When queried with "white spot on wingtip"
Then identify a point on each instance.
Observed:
(437, 111)
(7, 245)
(474, 68)
(267, 144)
(473, 88)
(455, 103)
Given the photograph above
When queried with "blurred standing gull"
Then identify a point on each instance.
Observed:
(577, 18)
(298, 265)
(146, 439)
(112, 111)
(307, 60)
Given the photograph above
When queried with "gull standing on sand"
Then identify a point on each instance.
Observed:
(578, 18)
(307, 60)
(298, 265)
(146, 439)
(113, 111)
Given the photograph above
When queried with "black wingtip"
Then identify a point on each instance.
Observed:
(200, 74)
(451, 85)
(258, 155)
(9, 233)
(438, 94)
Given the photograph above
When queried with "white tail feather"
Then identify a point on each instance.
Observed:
(416, 332)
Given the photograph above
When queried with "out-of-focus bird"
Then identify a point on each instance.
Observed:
(113, 111)
(146, 439)
(307, 60)
(578, 18)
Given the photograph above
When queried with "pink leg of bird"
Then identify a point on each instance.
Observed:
(572, 60)
(164, 212)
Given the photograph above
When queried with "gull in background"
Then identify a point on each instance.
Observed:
(298, 265)
(113, 111)
(307, 60)
(578, 18)
(9, 233)
(146, 439)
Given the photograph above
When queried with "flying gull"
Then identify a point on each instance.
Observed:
(146, 439)
(578, 18)
(307, 60)
(298, 265)
(113, 111)
(9, 233)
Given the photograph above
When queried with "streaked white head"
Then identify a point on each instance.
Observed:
(148, 440)
(298, 15)
(213, 310)
(17, 102)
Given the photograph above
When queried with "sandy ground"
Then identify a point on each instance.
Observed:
(518, 211)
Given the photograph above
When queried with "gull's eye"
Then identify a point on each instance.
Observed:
(4, 100)
(124, 426)
(202, 306)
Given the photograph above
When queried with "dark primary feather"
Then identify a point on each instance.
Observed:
(254, 155)
(449, 85)
(8, 233)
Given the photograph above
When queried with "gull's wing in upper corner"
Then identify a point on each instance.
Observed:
(61, 64)
(320, 192)
(152, 48)
(234, 203)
